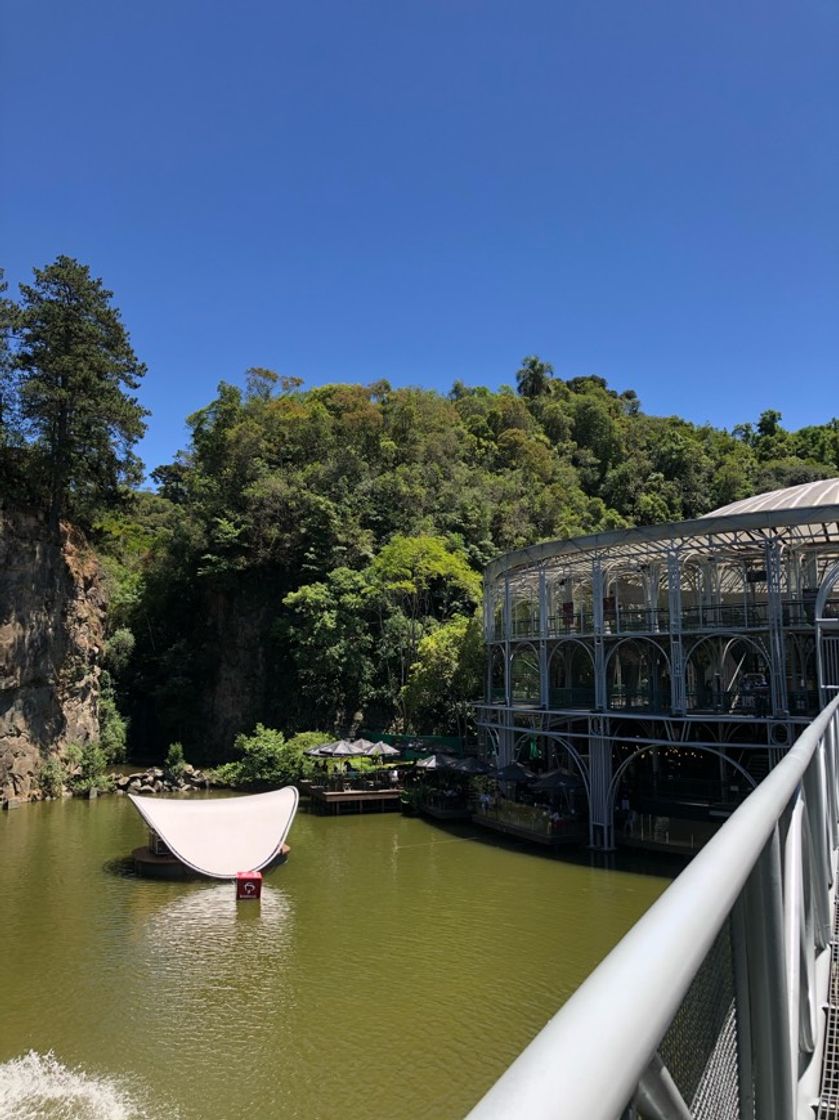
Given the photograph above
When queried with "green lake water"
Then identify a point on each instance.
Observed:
(392, 970)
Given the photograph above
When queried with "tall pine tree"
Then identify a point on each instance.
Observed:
(75, 363)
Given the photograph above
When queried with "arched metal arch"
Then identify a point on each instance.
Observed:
(831, 578)
(729, 640)
(613, 785)
(557, 738)
(522, 647)
(495, 737)
(571, 642)
(635, 640)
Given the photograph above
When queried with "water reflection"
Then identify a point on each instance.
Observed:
(441, 954)
(209, 923)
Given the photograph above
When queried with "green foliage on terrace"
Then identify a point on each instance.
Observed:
(268, 758)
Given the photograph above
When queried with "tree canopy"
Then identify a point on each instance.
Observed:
(73, 362)
(312, 557)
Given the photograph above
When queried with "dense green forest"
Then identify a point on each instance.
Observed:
(312, 558)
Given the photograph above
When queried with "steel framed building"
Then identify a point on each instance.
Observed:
(711, 642)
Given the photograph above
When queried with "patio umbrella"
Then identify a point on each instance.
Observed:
(341, 748)
(346, 749)
(365, 744)
(555, 780)
(382, 749)
(323, 750)
(514, 772)
(471, 765)
(437, 762)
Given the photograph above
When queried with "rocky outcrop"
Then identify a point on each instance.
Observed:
(157, 780)
(52, 612)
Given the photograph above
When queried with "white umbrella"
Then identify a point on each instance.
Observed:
(383, 749)
(341, 748)
(346, 749)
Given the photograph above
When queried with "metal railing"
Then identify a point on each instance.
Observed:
(629, 619)
(709, 1007)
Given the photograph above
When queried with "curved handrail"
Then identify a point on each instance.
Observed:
(587, 1061)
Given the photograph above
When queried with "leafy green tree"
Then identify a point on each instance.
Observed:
(8, 389)
(75, 363)
(329, 634)
(113, 730)
(175, 761)
(419, 580)
(87, 765)
(446, 678)
(268, 758)
(534, 377)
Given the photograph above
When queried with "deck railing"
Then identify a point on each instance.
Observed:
(710, 1006)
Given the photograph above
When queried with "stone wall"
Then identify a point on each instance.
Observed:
(52, 615)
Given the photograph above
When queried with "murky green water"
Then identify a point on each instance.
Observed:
(393, 969)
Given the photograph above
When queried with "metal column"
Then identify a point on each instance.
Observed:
(778, 677)
(678, 691)
(601, 825)
(544, 682)
(598, 584)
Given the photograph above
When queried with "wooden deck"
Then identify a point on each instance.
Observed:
(333, 802)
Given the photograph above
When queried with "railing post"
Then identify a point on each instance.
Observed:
(657, 1095)
(832, 792)
(798, 933)
(809, 997)
(816, 804)
(740, 950)
(768, 999)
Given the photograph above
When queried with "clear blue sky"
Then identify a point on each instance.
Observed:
(429, 190)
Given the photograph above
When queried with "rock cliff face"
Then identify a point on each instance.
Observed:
(52, 612)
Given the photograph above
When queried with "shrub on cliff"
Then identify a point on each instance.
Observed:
(87, 768)
(51, 777)
(113, 729)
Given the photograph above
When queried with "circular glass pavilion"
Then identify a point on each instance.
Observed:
(689, 653)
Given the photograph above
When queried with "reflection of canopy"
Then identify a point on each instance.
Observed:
(221, 836)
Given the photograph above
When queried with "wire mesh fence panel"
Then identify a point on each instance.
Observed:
(700, 1047)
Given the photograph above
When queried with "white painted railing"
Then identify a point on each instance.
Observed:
(761, 889)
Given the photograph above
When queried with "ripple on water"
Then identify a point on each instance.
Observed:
(39, 1087)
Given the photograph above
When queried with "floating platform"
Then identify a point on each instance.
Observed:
(151, 866)
(333, 801)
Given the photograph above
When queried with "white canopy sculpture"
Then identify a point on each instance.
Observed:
(224, 835)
